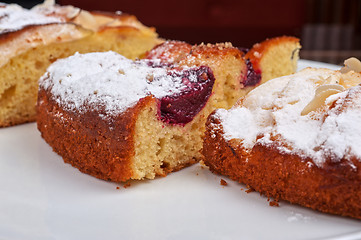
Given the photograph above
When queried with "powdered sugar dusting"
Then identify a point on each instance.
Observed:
(244, 117)
(109, 81)
(340, 133)
(13, 17)
(273, 111)
(164, 51)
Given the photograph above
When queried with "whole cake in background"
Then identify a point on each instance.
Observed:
(295, 138)
(118, 119)
(30, 40)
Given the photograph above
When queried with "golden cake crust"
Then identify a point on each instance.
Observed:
(15, 43)
(82, 144)
(258, 49)
(182, 52)
(101, 148)
(334, 188)
(179, 146)
(308, 158)
(267, 56)
(26, 51)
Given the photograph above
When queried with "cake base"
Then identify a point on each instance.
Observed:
(334, 189)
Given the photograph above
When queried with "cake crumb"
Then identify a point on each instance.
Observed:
(202, 164)
(250, 189)
(126, 185)
(118, 187)
(223, 182)
(274, 203)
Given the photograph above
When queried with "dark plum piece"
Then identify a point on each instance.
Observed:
(253, 76)
(181, 108)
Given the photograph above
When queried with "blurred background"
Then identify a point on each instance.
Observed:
(330, 30)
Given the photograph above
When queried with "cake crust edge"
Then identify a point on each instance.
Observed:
(333, 189)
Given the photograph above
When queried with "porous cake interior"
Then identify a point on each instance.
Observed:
(19, 77)
(161, 148)
(278, 61)
(229, 70)
(229, 76)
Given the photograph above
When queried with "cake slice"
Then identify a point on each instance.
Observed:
(118, 119)
(294, 138)
(150, 134)
(30, 40)
(269, 59)
(147, 134)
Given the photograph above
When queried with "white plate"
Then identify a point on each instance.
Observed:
(43, 198)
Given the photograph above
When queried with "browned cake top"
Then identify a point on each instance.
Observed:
(110, 83)
(13, 18)
(308, 113)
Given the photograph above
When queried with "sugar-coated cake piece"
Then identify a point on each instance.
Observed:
(226, 62)
(145, 126)
(269, 59)
(294, 138)
(30, 40)
(118, 119)
(155, 135)
(157, 146)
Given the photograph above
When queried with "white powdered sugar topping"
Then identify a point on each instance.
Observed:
(13, 18)
(164, 51)
(272, 112)
(249, 130)
(340, 133)
(108, 81)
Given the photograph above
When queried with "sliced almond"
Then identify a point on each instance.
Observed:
(94, 22)
(50, 8)
(329, 86)
(71, 12)
(86, 20)
(351, 64)
(322, 93)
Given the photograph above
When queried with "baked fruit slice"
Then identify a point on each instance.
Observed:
(294, 138)
(269, 59)
(152, 136)
(30, 40)
(155, 134)
(119, 119)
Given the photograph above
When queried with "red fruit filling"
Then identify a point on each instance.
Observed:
(182, 107)
(253, 75)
